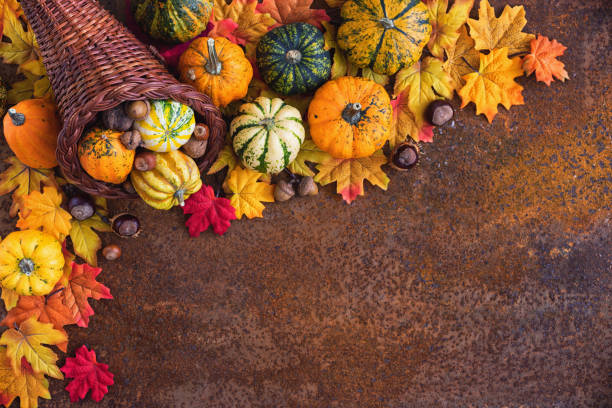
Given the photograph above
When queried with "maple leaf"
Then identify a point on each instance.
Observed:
(46, 309)
(461, 59)
(22, 180)
(404, 123)
(45, 211)
(25, 383)
(10, 298)
(250, 25)
(293, 11)
(87, 375)
(68, 259)
(383, 80)
(248, 192)
(542, 60)
(350, 173)
(227, 158)
(34, 86)
(82, 285)
(22, 46)
(493, 84)
(490, 32)
(208, 210)
(309, 152)
(85, 241)
(446, 24)
(28, 341)
(340, 65)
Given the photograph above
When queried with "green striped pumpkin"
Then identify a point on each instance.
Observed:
(174, 21)
(168, 126)
(292, 59)
(267, 134)
(384, 35)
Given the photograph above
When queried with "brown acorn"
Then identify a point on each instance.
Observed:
(131, 139)
(404, 157)
(195, 148)
(439, 112)
(126, 225)
(137, 110)
(111, 252)
(145, 161)
(307, 187)
(201, 132)
(81, 207)
(283, 191)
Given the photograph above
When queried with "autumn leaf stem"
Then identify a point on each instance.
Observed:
(468, 64)
(53, 293)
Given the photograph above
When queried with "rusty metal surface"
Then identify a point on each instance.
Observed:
(481, 278)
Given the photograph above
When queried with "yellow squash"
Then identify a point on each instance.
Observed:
(174, 178)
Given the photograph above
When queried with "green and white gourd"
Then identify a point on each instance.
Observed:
(267, 134)
(168, 126)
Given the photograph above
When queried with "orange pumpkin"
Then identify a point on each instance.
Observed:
(104, 157)
(350, 117)
(218, 68)
(31, 128)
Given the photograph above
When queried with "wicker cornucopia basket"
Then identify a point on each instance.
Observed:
(94, 63)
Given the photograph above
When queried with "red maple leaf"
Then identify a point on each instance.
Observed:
(88, 375)
(208, 210)
(82, 285)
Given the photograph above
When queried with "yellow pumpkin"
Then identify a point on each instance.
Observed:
(173, 179)
(350, 117)
(31, 128)
(31, 262)
(218, 68)
(104, 157)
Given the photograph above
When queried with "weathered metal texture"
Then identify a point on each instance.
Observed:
(481, 278)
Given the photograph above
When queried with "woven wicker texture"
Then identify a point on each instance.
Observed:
(94, 63)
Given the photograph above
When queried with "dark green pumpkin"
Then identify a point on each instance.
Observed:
(173, 21)
(292, 59)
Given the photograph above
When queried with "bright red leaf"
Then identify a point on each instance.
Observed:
(208, 210)
(82, 285)
(88, 375)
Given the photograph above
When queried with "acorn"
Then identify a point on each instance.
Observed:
(131, 139)
(404, 157)
(195, 148)
(145, 161)
(126, 225)
(137, 110)
(81, 207)
(111, 252)
(439, 112)
(201, 132)
(283, 191)
(116, 119)
(307, 187)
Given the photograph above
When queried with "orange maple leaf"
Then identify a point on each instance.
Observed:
(542, 60)
(493, 84)
(45, 211)
(82, 285)
(293, 11)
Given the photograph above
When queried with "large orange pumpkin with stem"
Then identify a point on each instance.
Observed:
(218, 68)
(104, 157)
(350, 117)
(31, 128)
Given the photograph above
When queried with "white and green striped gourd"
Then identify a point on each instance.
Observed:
(267, 134)
(167, 127)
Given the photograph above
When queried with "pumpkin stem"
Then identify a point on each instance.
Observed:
(17, 118)
(387, 23)
(293, 56)
(269, 123)
(180, 196)
(213, 65)
(352, 113)
(26, 266)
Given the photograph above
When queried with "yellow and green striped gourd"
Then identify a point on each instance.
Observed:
(167, 127)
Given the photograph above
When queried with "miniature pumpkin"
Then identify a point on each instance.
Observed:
(167, 127)
(31, 262)
(384, 35)
(173, 179)
(292, 59)
(218, 68)
(350, 117)
(104, 157)
(174, 21)
(267, 134)
(31, 128)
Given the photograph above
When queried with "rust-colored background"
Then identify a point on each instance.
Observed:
(481, 278)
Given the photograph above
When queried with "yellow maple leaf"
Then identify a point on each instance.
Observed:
(249, 193)
(25, 384)
(227, 158)
(309, 152)
(493, 84)
(446, 24)
(22, 47)
(22, 180)
(340, 65)
(425, 81)
(490, 32)
(10, 298)
(252, 25)
(461, 59)
(85, 241)
(405, 125)
(348, 174)
(28, 341)
(45, 211)
(34, 86)
(383, 80)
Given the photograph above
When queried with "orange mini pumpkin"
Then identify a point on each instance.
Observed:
(350, 117)
(218, 68)
(104, 157)
(31, 128)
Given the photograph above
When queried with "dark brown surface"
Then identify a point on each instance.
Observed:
(480, 278)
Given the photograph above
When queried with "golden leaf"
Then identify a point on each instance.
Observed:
(85, 241)
(45, 211)
(23, 180)
(445, 24)
(461, 59)
(309, 152)
(249, 193)
(25, 383)
(10, 298)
